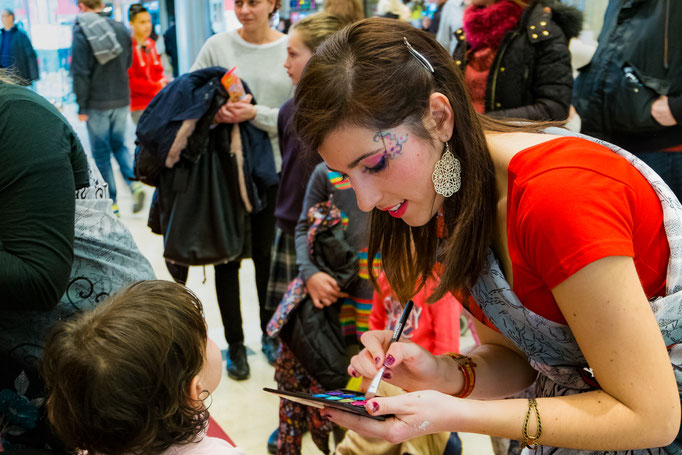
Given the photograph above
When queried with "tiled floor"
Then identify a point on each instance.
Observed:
(244, 411)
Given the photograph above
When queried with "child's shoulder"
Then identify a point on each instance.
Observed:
(206, 446)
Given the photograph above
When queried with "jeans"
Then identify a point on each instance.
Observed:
(107, 133)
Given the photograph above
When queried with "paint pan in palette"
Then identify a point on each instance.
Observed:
(342, 399)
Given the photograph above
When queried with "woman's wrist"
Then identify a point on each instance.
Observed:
(451, 379)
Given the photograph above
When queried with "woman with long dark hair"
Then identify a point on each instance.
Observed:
(556, 243)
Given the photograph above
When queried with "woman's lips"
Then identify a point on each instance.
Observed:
(398, 210)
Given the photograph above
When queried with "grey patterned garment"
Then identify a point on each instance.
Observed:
(551, 347)
(105, 259)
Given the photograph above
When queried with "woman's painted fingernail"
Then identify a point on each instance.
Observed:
(387, 375)
(389, 360)
(355, 374)
(375, 406)
(377, 361)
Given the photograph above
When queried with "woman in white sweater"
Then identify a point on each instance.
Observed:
(259, 53)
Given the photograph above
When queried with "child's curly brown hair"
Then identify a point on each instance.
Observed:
(119, 376)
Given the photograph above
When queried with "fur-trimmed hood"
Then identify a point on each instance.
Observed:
(569, 18)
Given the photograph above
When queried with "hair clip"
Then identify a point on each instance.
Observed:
(420, 58)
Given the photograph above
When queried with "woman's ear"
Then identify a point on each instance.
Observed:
(442, 115)
(195, 388)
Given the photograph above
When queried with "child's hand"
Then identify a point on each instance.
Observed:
(323, 289)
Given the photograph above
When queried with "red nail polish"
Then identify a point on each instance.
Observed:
(375, 406)
(377, 361)
(356, 374)
(389, 360)
(387, 375)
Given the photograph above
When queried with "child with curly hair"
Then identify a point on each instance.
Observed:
(132, 376)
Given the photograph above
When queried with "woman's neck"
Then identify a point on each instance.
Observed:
(261, 35)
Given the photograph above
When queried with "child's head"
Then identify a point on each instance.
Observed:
(140, 20)
(131, 374)
(304, 38)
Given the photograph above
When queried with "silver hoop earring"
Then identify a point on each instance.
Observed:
(447, 175)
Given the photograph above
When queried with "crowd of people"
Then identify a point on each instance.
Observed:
(361, 164)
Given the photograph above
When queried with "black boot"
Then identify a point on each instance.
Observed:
(237, 366)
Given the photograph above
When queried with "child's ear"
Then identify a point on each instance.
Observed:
(195, 388)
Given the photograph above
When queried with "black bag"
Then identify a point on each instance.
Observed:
(314, 335)
(206, 220)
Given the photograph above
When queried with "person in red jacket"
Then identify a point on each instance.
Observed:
(146, 73)
(434, 327)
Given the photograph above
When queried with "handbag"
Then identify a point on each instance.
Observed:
(205, 222)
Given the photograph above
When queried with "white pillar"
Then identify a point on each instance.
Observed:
(193, 27)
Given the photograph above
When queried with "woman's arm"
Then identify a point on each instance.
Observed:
(315, 192)
(638, 406)
(323, 288)
(37, 204)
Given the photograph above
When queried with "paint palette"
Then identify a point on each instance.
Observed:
(345, 400)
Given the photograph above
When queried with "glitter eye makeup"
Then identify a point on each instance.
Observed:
(393, 143)
(375, 163)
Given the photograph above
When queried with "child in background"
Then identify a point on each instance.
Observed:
(132, 375)
(434, 326)
(146, 74)
(304, 37)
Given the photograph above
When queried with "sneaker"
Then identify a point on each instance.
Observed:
(237, 366)
(138, 197)
(270, 348)
(272, 442)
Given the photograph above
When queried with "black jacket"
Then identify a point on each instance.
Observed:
(199, 206)
(96, 86)
(314, 335)
(25, 61)
(531, 75)
(639, 58)
(191, 96)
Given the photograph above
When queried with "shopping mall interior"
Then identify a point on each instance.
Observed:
(246, 413)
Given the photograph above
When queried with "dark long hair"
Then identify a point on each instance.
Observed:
(118, 377)
(365, 76)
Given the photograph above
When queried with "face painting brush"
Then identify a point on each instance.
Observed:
(374, 386)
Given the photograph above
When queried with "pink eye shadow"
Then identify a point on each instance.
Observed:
(373, 160)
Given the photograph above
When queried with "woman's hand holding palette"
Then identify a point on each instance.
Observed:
(342, 399)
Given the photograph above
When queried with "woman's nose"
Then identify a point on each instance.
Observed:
(367, 195)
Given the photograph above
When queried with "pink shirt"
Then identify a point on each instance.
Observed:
(207, 446)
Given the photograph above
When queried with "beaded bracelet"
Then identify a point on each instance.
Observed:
(466, 366)
(531, 441)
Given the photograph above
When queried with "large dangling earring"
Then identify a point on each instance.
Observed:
(447, 175)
